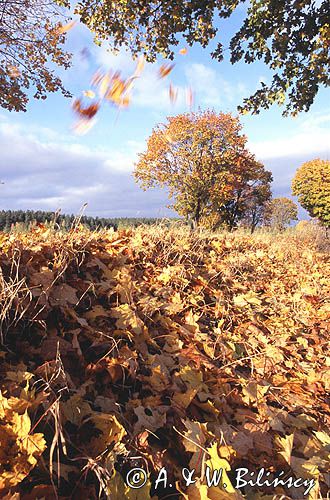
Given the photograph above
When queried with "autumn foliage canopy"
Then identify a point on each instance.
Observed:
(203, 160)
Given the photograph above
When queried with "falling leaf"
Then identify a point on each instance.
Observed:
(125, 101)
(104, 85)
(97, 78)
(165, 70)
(83, 126)
(190, 97)
(87, 112)
(89, 93)
(140, 66)
(173, 93)
(116, 90)
(183, 51)
(67, 27)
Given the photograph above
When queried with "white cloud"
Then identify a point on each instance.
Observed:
(45, 175)
(152, 92)
(118, 61)
(211, 88)
(311, 138)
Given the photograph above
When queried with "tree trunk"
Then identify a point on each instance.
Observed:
(197, 215)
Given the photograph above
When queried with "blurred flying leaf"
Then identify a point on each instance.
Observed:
(89, 93)
(140, 66)
(67, 27)
(96, 78)
(165, 70)
(190, 97)
(83, 126)
(104, 85)
(173, 93)
(87, 112)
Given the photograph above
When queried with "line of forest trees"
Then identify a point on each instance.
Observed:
(281, 212)
(26, 218)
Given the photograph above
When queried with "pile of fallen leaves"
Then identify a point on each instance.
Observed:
(160, 348)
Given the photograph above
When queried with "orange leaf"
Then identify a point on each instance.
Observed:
(97, 78)
(86, 113)
(183, 51)
(173, 93)
(165, 70)
(190, 97)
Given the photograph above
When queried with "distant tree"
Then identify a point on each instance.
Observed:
(250, 195)
(311, 185)
(280, 212)
(29, 43)
(256, 205)
(290, 36)
(203, 161)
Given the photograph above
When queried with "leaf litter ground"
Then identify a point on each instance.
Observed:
(157, 348)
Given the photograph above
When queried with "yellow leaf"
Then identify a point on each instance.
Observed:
(89, 93)
(111, 432)
(104, 85)
(67, 27)
(127, 318)
(285, 444)
(217, 463)
(119, 490)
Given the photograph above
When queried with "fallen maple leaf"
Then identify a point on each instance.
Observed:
(285, 445)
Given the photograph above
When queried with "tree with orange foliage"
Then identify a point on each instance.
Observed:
(203, 161)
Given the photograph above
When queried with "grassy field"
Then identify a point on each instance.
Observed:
(159, 347)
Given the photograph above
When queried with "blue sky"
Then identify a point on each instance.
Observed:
(46, 166)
